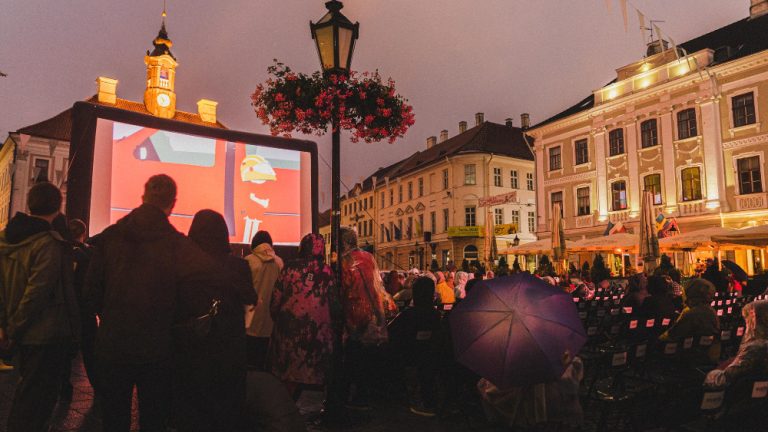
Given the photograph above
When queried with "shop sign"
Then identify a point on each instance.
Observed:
(498, 199)
(465, 231)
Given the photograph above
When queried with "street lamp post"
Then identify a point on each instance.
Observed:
(335, 37)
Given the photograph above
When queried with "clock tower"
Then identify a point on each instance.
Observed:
(159, 96)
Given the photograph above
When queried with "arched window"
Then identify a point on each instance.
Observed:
(470, 253)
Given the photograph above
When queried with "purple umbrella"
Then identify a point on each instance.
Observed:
(514, 330)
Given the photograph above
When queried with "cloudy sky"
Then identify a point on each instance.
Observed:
(450, 58)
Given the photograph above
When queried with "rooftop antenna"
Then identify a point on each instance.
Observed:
(164, 14)
(652, 22)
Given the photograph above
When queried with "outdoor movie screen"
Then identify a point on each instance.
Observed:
(255, 187)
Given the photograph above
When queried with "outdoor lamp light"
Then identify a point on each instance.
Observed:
(516, 240)
(335, 36)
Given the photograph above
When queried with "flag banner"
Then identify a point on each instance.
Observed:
(387, 234)
(419, 229)
(608, 228)
(674, 47)
(659, 36)
(641, 18)
(398, 233)
(624, 15)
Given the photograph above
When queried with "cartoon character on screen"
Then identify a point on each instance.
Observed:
(255, 169)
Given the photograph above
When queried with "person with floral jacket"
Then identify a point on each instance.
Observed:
(302, 336)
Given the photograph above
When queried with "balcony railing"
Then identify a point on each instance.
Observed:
(691, 208)
(585, 221)
(618, 216)
(751, 201)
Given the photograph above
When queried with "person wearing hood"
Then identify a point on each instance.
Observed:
(302, 336)
(265, 269)
(210, 369)
(752, 357)
(697, 319)
(138, 272)
(38, 308)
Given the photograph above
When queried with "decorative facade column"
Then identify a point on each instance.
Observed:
(541, 201)
(713, 154)
(633, 186)
(602, 180)
(668, 158)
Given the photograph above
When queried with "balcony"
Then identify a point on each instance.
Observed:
(751, 201)
(691, 208)
(585, 221)
(618, 216)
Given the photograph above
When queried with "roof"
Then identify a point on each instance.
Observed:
(324, 218)
(487, 137)
(162, 44)
(732, 42)
(60, 126)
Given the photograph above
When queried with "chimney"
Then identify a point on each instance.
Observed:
(508, 122)
(757, 8)
(479, 119)
(443, 135)
(525, 120)
(107, 90)
(462, 127)
(431, 141)
(207, 110)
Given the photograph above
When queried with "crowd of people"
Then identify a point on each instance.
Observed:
(214, 342)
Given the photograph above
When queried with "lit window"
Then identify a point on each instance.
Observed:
(691, 181)
(619, 195)
(470, 177)
(582, 201)
(652, 183)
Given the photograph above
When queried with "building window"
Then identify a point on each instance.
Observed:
(529, 181)
(743, 107)
(392, 197)
(497, 177)
(410, 227)
(420, 228)
(555, 163)
(470, 176)
(470, 253)
(531, 222)
(421, 186)
(582, 201)
(516, 219)
(686, 124)
(40, 170)
(383, 234)
(382, 200)
(557, 197)
(445, 179)
(750, 180)
(513, 179)
(445, 220)
(399, 193)
(652, 183)
(371, 201)
(433, 222)
(582, 152)
(616, 142)
(498, 216)
(470, 216)
(619, 195)
(410, 191)
(691, 180)
(649, 135)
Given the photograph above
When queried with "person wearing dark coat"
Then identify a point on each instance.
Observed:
(661, 303)
(210, 370)
(137, 275)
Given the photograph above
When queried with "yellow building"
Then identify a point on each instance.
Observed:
(40, 152)
(689, 125)
(433, 205)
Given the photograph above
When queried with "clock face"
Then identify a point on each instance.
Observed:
(163, 100)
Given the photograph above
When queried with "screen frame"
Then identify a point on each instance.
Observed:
(81, 151)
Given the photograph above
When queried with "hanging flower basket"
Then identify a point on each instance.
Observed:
(363, 104)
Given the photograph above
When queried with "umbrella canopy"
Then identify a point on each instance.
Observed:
(704, 239)
(736, 269)
(649, 240)
(609, 243)
(538, 247)
(558, 233)
(489, 241)
(753, 236)
(514, 330)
